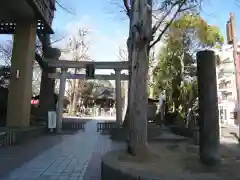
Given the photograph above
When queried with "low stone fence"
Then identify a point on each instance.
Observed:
(191, 133)
(18, 135)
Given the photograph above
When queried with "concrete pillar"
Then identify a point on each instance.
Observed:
(208, 108)
(20, 88)
(47, 91)
(61, 99)
(118, 97)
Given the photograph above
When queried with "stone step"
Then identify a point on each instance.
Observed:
(169, 137)
(118, 134)
(154, 132)
(121, 133)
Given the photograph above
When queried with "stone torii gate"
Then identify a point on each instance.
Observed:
(63, 75)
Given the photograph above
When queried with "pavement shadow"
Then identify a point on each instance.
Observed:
(15, 156)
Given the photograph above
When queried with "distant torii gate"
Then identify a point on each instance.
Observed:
(117, 66)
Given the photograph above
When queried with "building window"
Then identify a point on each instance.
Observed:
(222, 114)
(225, 85)
(220, 74)
(225, 114)
(226, 96)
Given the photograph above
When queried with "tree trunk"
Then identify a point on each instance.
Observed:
(75, 97)
(129, 46)
(141, 37)
(70, 103)
(47, 101)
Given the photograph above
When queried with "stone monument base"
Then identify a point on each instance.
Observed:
(167, 161)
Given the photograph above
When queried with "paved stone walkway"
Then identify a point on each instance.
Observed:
(15, 156)
(77, 157)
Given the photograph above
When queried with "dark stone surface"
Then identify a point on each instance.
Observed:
(178, 162)
(208, 108)
(112, 169)
(121, 134)
(182, 131)
(118, 134)
(192, 133)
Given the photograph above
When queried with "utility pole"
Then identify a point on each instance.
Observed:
(232, 39)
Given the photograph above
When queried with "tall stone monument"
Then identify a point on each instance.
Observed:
(208, 108)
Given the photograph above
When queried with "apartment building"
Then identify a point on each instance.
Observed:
(226, 85)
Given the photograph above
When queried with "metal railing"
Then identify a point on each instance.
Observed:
(3, 139)
(98, 112)
(6, 137)
(105, 126)
(73, 124)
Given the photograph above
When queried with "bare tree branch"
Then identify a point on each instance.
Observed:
(122, 54)
(127, 6)
(161, 20)
(64, 8)
(76, 49)
(165, 12)
(168, 24)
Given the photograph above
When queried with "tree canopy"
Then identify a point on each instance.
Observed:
(176, 69)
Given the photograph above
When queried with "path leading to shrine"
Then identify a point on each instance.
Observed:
(58, 157)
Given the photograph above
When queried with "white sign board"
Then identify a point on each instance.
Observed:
(52, 119)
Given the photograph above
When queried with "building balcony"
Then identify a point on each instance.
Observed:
(11, 11)
(225, 78)
(225, 90)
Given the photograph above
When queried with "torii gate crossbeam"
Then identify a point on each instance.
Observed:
(82, 64)
(83, 76)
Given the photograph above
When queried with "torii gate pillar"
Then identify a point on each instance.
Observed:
(20, 88)
(61, 99)
(118, 97)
